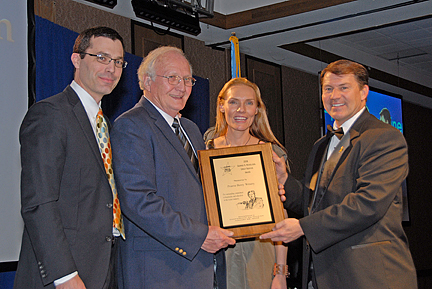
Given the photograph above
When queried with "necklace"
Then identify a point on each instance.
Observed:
(226, 141)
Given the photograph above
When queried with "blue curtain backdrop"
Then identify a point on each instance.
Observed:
(54, 71)
(7, 280)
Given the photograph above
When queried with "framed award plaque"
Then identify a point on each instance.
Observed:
(241, 189)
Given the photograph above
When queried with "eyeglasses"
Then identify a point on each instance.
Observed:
(175, 79)
(120, 63)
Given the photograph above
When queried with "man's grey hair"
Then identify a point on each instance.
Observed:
(148, 64)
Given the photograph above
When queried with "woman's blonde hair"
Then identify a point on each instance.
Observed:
(260, 127)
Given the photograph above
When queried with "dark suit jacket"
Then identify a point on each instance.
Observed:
(162, 199)
(355, 236)
(65, 196)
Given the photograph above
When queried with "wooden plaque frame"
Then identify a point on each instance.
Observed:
(243, 227)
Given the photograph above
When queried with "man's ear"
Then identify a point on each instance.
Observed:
(76, 60)
(364, 92)
(147, 82)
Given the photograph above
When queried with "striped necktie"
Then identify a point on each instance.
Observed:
(105, 149)
(185, 142)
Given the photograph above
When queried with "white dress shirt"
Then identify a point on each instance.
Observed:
(345, 127)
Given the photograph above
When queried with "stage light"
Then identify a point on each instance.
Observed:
(107, 3)
(187, 22)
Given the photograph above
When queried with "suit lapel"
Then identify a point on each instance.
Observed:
(328, 169)
(334, 160)
(85, 125)
(168, 133)
(318, 154)
(340, 154)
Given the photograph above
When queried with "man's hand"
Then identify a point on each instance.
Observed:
(281, 169)
(217, 238)
(282, 192)
(74, 283)
(286, 231)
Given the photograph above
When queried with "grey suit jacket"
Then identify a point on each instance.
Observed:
(65, 196)
(162, 199)
(355, 236)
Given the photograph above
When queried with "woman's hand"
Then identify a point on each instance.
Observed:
(279, 282)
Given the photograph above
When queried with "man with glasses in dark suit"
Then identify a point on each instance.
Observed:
(67, 199)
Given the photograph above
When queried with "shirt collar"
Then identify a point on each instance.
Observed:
(347, 125)
(169, 119)
(90, 105)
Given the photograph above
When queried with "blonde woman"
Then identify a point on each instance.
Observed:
(241, 119)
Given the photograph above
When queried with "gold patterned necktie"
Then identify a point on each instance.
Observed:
(105, 149)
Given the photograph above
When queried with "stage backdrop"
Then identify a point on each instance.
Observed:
(13, 99)
(54, 71)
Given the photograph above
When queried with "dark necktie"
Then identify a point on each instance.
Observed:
(339, 132)
(187, 146)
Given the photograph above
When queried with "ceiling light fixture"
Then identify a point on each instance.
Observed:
(107, 3)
